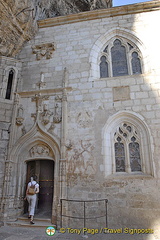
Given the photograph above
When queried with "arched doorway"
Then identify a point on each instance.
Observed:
(44, 170)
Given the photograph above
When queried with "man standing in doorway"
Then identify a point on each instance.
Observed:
(32, 190)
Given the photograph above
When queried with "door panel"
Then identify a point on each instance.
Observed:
(44, 170)
(46, 182)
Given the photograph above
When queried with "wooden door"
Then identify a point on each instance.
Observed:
(44, 170)
(46, 182)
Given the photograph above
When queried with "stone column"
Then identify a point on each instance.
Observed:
(62, 164)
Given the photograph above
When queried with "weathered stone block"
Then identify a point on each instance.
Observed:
(121, 93)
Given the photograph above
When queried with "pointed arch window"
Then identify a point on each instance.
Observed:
(127, 149)
(103, 67)
(120, 58)
(9, 84)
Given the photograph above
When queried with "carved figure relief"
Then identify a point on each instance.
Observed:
(38, 99)
(57, 118)
(39, 151)
(43, 50)
(46, 114)
(41, 84)
(20, 119)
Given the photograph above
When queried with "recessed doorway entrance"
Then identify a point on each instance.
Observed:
(44, 170)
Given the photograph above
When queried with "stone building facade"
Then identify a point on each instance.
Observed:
(83, 114)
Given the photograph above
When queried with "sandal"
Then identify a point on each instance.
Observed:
(31, 222)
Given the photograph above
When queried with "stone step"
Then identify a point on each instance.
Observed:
(25, 222)
(25, 219)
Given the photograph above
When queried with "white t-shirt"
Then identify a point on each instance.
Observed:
(33, 183)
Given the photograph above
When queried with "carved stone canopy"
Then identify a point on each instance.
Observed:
(43, 50)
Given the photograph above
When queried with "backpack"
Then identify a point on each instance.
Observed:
(31, 189)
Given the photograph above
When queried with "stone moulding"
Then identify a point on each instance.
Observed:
(49, 92)
(43, 50)
(98, 14)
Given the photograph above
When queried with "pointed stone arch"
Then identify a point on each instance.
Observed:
(101, 43)
(108, 132)
(46, 147)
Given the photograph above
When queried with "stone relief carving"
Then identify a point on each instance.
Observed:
(81, 165)
(23, 131)
(46, 114)
(51, 128)
(41, 84)
(38, 99)
(20, 119)
(69, 145)
(39, 151)
(57, 118)
(84, 119)
(43, 50)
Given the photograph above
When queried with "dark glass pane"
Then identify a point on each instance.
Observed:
(103, 67)
(9, 84)
(134, 153)
(119, 156)
(119, 59)
(136, 64)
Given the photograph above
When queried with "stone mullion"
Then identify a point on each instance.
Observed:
(127, 158)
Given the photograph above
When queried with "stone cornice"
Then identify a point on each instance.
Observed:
(48, 92)
(9, 59)
(103, 13)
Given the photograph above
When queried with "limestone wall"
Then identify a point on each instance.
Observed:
(133, 198)
(6, 109)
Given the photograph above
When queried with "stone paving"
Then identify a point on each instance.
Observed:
(33, 233)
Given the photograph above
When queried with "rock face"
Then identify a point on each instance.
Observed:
(53, 8)
(18, 18)
(17, 25)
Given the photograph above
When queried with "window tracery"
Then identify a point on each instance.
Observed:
(127, 148)
(120, 58)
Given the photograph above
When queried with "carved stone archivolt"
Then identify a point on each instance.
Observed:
(43, 50)
(39, 151)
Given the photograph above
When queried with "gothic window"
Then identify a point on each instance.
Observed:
(127, 149)
(103, 67)
(134, 154)
(119, 58)
(119, 155)
(136, 64)
(9, 84)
